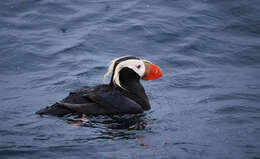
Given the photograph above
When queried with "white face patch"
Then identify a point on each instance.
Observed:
(134, 64)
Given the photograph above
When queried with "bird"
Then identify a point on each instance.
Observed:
(123, 95)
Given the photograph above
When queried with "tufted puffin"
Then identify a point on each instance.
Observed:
(123, 95)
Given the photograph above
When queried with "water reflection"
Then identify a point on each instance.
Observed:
(111, 126)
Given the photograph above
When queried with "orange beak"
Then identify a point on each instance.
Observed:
(152, 72)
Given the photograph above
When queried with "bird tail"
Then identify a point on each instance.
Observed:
(55, 109)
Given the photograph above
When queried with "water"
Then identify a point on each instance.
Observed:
(205, 106)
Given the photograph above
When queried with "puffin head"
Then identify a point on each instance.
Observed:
(142, 69)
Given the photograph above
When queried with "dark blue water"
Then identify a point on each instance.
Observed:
(207, 105)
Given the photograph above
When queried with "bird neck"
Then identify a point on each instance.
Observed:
(130, 81)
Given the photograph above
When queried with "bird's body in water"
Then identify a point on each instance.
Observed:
(123, 95)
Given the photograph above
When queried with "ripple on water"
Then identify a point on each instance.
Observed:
(231, 96)
(92, 71)
(206, 104)
(237, 109)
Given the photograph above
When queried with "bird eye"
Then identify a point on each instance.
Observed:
(138, 66)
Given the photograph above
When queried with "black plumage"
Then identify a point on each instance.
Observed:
(106, 98)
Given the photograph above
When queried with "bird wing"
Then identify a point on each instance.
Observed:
(75, 97)
(94, 102)
(104, 103)
(114, 102)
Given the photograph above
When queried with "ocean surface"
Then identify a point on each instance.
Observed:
(206, 106)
